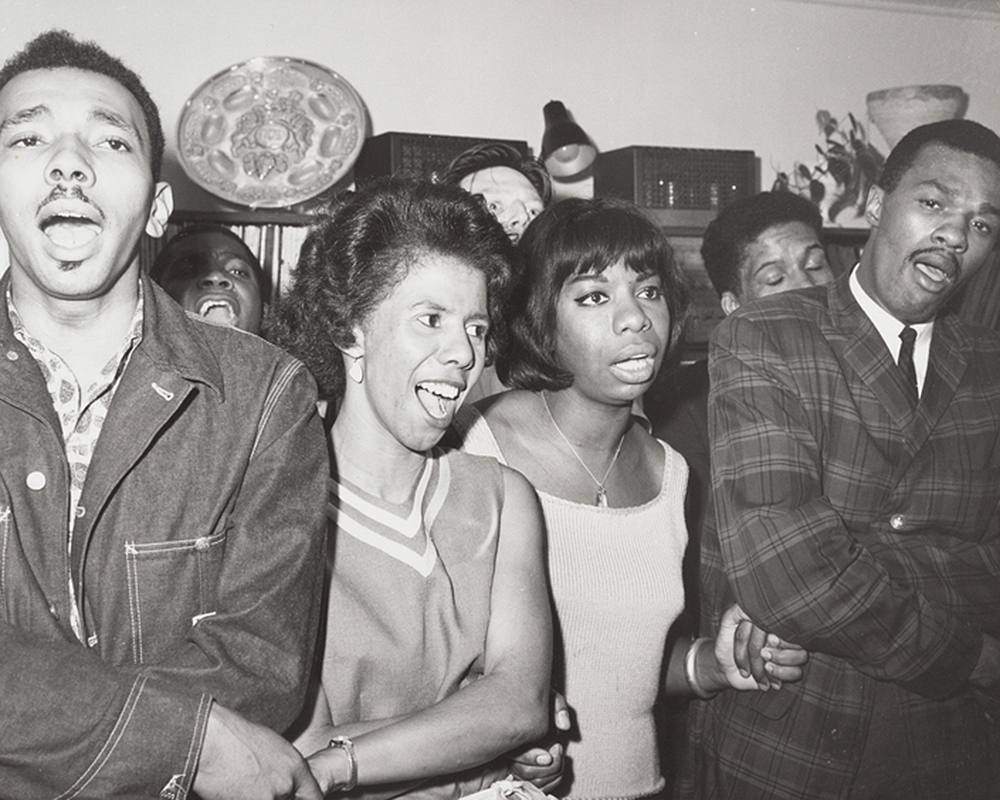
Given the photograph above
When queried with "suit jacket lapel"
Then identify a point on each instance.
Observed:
(865, 352)
(945, 370)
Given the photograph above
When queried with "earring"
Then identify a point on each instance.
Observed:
(355, 373)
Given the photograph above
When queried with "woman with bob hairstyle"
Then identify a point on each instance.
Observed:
(602, 306)
(438, 632)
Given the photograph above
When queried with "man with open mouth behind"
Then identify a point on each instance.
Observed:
(211, 272)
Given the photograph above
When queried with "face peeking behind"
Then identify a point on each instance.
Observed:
(76, 185)
(509, 195)
(214, 275)
(933, 231)
(423, 348)
(612, 331)
(784, 257)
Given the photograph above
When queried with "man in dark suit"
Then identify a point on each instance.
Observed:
(855, 480)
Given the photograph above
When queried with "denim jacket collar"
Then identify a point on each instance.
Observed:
(172, 341)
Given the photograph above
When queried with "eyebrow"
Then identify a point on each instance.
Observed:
(773, 261)
(26, 115)
(580, 277)
(97, 115)
(116, 121)
(433, 305)
(234, 254)
(603, 278)
(984, 208)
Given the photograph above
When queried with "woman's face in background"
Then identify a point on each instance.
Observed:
(612, 331)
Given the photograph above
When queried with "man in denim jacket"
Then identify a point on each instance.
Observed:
(162, 480)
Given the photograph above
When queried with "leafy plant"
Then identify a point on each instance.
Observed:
(849, 159)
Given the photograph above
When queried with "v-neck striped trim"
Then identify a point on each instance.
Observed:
(365, 515)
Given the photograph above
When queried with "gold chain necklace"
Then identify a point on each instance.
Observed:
(602, 494)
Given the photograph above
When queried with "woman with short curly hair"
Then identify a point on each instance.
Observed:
(438, 635)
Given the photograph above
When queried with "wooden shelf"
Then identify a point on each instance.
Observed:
(275, 236)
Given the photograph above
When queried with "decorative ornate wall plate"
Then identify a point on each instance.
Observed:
(271, 132)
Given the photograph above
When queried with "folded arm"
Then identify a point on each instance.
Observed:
(791, 558)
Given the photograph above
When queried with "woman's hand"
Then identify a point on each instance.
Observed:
(752, 658)
(543, 766)
(330, 767)
(539, 766)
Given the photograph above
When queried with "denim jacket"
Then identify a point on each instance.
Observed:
(197, 558)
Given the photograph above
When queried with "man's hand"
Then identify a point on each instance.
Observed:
(751, 657)
(987, 670)
(243, 761)
(540, 765)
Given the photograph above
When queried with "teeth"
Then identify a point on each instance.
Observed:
(438, 399)
(208, 305)
(218, 311)
(444, 390)
(67, 216)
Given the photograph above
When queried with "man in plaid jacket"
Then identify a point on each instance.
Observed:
(855, 497)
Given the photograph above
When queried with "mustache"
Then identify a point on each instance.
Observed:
(60, 192)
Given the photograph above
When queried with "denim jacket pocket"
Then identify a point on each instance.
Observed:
(171, 587)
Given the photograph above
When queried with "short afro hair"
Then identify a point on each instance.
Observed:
(57, 49)
(354, 256)
(963, 135)
(740, 223)
(573, 237)
(164, 259)
(498, 154)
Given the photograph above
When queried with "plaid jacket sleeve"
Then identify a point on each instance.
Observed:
(848, 522)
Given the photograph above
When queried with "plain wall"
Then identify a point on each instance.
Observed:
(711, 73)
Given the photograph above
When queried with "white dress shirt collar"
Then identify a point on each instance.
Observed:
(889, 328)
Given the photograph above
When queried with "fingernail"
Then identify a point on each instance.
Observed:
(767, 654)
(543, 760)
(745, 673)
(769, 667)
(562, 720)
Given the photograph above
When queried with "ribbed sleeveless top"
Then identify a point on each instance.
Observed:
(616, 584)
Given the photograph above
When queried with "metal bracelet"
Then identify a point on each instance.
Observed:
(689, 670)
(345, 744)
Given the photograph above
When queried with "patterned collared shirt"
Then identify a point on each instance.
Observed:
(81, 413)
